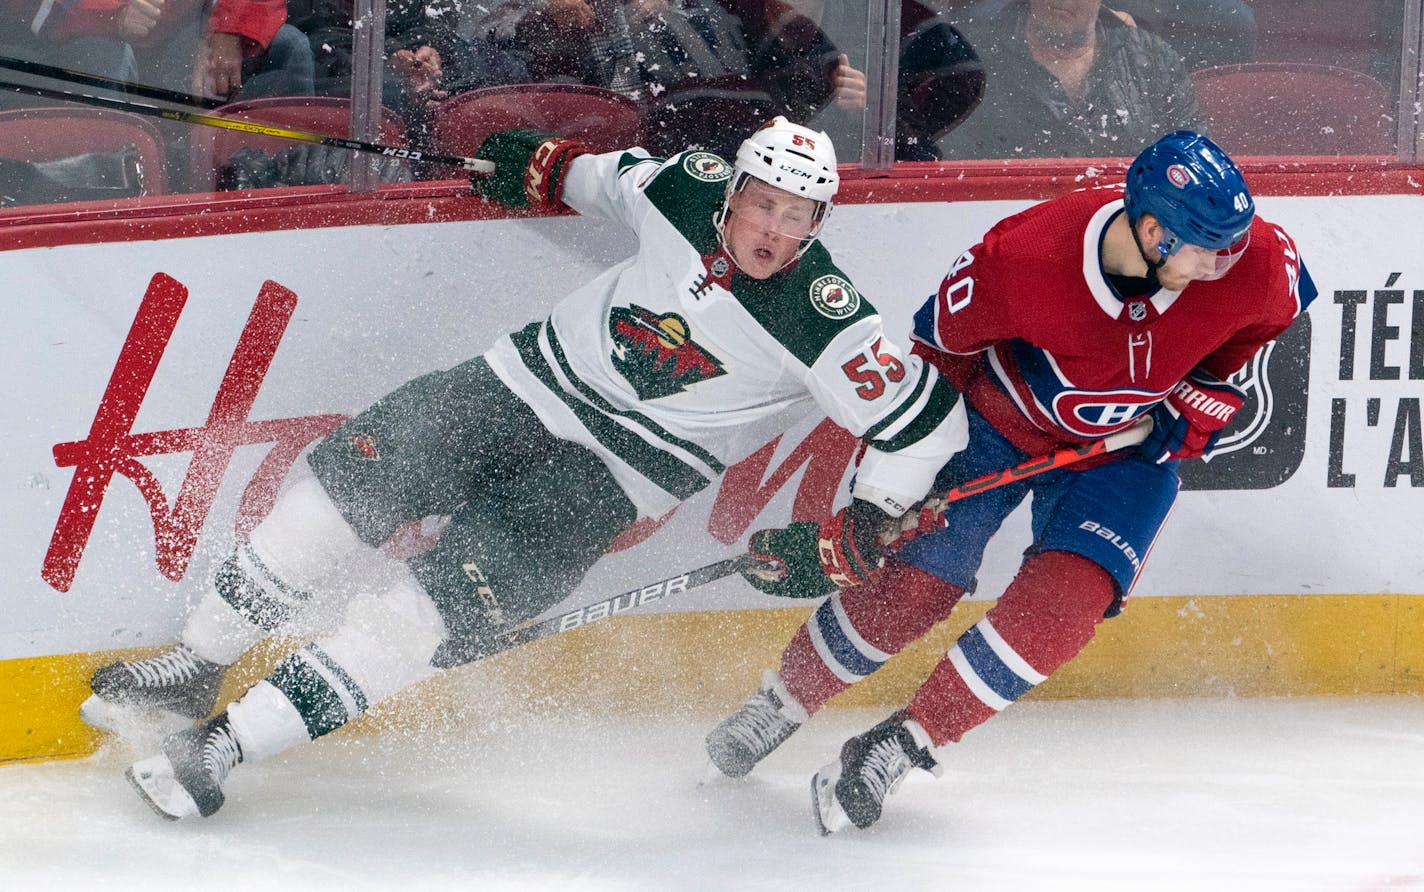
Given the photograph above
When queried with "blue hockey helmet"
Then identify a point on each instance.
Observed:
(1193, 189)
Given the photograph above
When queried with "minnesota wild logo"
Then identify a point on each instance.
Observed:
(706, 166)
(834, 297)
(656, 354)
(366, 445)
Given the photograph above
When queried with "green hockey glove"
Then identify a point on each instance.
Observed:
(808, 560)
(786, 563)
(529, 168)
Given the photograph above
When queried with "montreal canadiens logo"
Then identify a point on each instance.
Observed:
(706, 167)
(1179, 176)
(834, 297)
(1096, 413)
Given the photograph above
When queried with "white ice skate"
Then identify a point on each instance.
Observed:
(750, 734)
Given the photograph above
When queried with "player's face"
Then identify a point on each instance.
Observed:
(1195, 264)
(1188, 263)
(765, 227)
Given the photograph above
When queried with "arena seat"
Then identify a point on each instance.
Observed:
(1295, 108)
(211, 147)
(695, 116)
(45, 133)
(601, 119)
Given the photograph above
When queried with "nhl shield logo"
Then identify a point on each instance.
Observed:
(834, 297)
(707, 167)
(1137, 311)
(1264, 444)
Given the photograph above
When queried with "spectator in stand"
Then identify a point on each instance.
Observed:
(706, 70)
(1072, 78)
(238, 49)
(1205, 32)
(34, 31)
(792, 53)
(224, 50)
(426, 59)
(941, 81)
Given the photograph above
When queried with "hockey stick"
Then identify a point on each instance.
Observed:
(1059, 458)
(40, 69)
(666, 588)
(474, 165)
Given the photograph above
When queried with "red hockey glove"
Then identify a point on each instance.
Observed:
(1189, 421)
(808, 560)
(529, 167)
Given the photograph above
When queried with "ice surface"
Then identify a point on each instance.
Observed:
(1297, 794)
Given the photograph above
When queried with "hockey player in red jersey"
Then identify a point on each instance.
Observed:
(1070, 321)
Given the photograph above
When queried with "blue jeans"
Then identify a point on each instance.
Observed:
(285, 69)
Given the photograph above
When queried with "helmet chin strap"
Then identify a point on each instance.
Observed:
(1153, 264)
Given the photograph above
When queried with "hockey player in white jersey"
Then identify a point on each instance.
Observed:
(634, 394)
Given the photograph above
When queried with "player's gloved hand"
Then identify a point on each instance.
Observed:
(1189, 421)
(808, 560)
(529, 167)
(926, 518)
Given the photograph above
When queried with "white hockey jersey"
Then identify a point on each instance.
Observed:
(673, 365)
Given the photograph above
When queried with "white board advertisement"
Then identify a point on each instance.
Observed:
(156, 392)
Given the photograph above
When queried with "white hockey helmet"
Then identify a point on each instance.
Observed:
(792, 158)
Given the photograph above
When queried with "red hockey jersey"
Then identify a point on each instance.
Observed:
(1029, 328)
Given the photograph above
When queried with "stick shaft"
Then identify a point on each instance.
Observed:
(1059, 458)
(474, 165)
(620, 603)
(675, 585)
(93, 80)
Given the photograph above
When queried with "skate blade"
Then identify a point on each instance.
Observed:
(129, 722)
(825, 808)
(153, 779)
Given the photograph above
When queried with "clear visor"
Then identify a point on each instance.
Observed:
(1206, 264)
(773, 210)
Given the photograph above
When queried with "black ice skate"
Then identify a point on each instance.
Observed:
(186, 779)
(852, 789)
(752, 732)
(176, 681)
